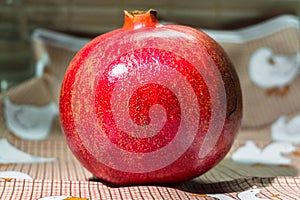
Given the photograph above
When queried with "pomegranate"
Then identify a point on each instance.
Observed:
(150, 103)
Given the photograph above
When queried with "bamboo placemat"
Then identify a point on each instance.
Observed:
(67, 177)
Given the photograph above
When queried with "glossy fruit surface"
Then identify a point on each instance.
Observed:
(150, 103)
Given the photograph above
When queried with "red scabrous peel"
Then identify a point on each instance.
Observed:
(150, 103)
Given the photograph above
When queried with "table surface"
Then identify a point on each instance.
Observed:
(67, 177)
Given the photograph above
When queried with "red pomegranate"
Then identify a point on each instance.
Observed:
(150, 103)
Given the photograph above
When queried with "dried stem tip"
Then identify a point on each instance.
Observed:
(140, 19)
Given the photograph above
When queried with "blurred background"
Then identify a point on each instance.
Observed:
(89, 18)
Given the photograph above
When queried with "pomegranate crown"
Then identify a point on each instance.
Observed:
(140, 19)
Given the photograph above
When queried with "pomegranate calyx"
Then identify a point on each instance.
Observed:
(140, 19)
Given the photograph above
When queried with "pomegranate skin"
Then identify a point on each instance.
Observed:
(150, 103)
